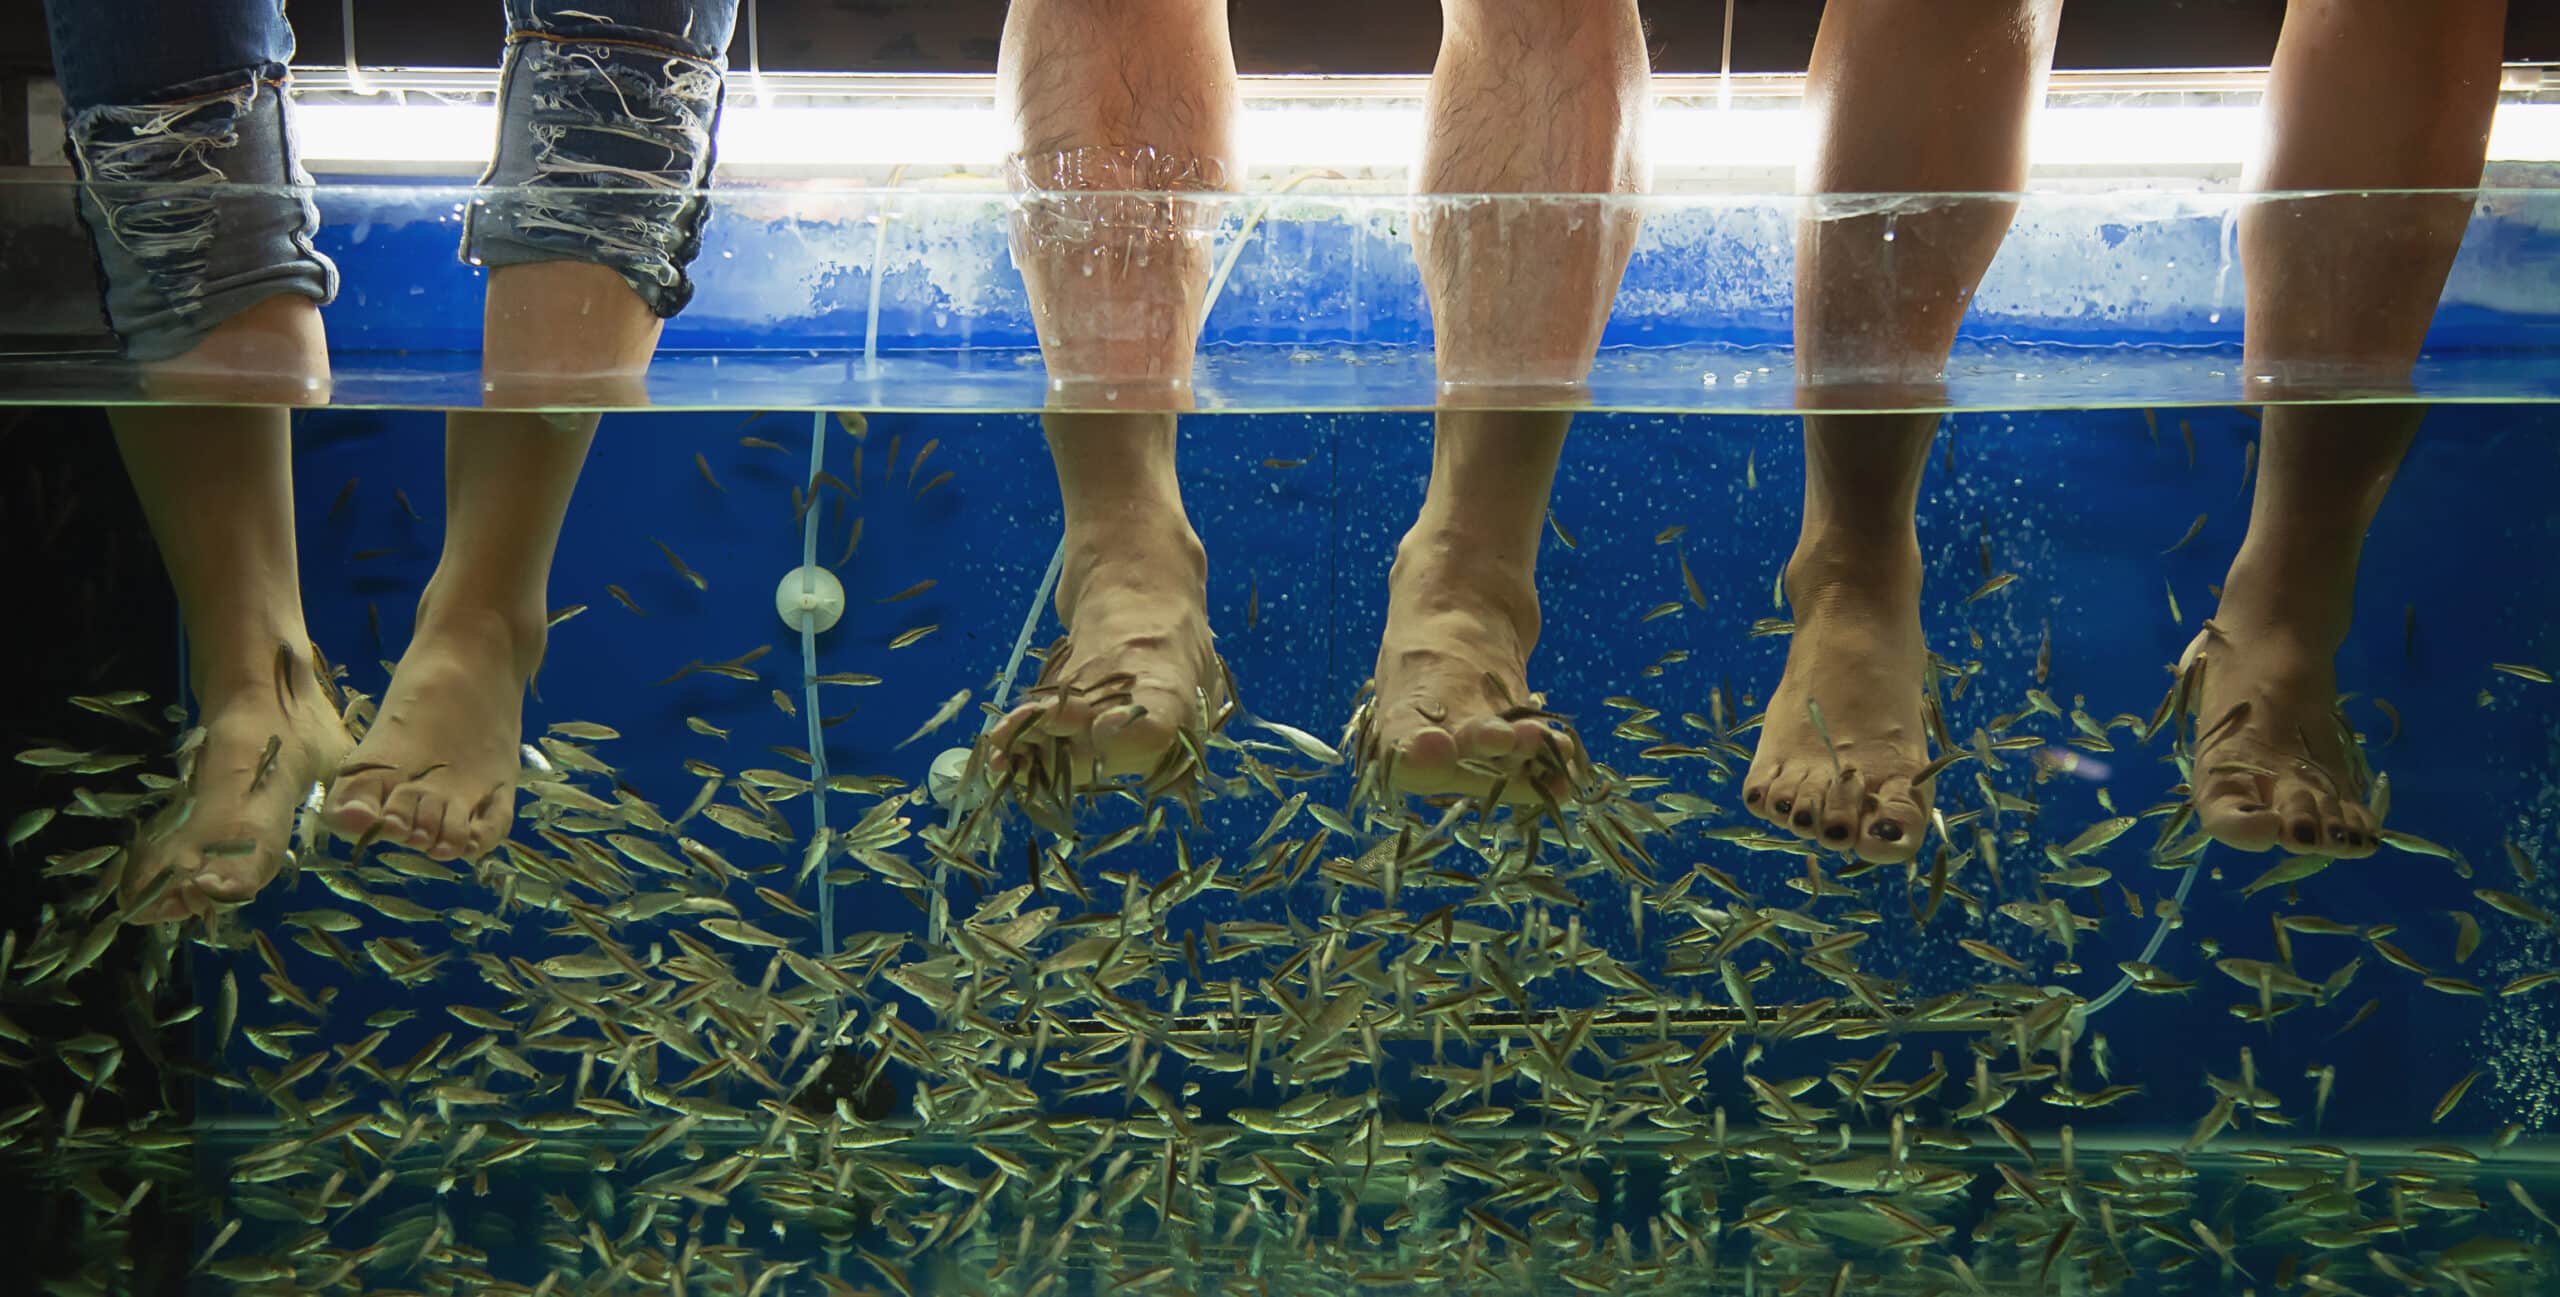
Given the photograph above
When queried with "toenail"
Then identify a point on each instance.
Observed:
(1889, 830)
(1804, 819)
(2251, 808)
(1835, 832)
(1752, 796)
(1782, 806)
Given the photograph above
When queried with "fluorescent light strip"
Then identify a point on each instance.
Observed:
(1349, 134)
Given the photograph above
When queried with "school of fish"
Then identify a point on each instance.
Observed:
(1594, 1031)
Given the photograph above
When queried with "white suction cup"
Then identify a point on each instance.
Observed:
(809, 596)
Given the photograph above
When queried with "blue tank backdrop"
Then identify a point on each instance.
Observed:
(789, 268)
(1300, 516)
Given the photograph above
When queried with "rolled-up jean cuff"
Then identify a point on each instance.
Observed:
(603, 148)
(196, 208)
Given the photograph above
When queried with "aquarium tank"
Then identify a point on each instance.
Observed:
(793, 955)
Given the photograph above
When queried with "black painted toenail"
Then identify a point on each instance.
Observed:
(1782, 806)
(1835, 832)
(1803, 819)
(1889, 830)
(1752, 796)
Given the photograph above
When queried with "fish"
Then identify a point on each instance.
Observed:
(1561, 533)
(911, 635)
(2514, 906)
(692, 578)
(2190, 534)
(916, 465)
(2175, 617)
(942, 716)
(2466, 936)
(1697, 597)
(701, 726)
(401, 496)
(2453, 1097)
(2522, 671)
(1284, 463)
(782, 703)
(759, 443)
(623, 597)
(910, 592)
(704, 467)
(1991, 587)
(937, 480)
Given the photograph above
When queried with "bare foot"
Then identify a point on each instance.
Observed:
(437, 770)
(1453, 712)
(2279, 773)
(1858, 653)
(265, 744)
(1136, 665)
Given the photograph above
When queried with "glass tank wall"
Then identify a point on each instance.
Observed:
(811, 296)
(770, 981)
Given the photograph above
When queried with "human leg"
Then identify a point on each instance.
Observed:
(604, 144)
(215, 293)
(1527, 97)
(1908, 97)
(1118, 95)
(2364, 95)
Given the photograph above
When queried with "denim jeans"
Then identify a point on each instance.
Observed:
(199, 209)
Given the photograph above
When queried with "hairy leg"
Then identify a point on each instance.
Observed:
(1528, 97)
(1132, 95)
(1907, 96)
(2365, 94)
(437, 768)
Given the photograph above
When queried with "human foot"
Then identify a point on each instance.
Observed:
(2274, 761)
(437, 769)
(1857, 653)
(265, 743)
(1453, 713)
(1136, 665)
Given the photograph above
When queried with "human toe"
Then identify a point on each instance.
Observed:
(1806, 803)
(1842, 800)
(1769, 796)
(2300, 807)
(356, 799)
(1891, 831)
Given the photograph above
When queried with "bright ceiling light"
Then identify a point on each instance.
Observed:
(1352, 133)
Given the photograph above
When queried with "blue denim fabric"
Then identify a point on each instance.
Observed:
(199, 209)
(606, 112)
(177, 119)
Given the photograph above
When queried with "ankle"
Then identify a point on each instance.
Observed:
(244, 671)
(517, 634)
(2267, 599)
(1152, 550)
(1450, 567)
(1832, 565)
